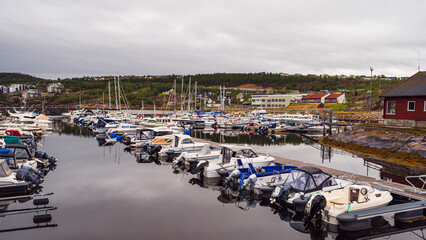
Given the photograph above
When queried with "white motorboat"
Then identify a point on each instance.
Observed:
(181, 143)
(351, 198)
(188, 161)
(123, 128)
(232, 157)
(304, 182)
(143, 135)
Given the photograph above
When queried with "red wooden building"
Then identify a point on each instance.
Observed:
(405, 104)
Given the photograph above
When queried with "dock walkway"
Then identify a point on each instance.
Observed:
(396, 188)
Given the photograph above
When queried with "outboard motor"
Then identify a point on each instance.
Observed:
(180, 162)
(29, 168)
(35, 134)
(43, 155)
(145, 147)
(31, 143)
(232, 177)
(200, 167)
(280, 194)
(26, 175)
(250, 181)
(317, 206)
(155, 149)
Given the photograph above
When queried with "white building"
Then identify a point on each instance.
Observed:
(17, 87)
(274, 101)
(55, 87)
(4, 89)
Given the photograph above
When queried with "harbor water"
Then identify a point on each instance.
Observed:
(104, 193)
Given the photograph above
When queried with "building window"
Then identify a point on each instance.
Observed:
(263, 100)
(424, 106)
(391, 107)
(411, 106)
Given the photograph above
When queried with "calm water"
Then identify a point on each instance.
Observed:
(103, 193)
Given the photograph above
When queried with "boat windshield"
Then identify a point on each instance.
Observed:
(246, 153)
(320, 178)
(303, 181)
(298, 179)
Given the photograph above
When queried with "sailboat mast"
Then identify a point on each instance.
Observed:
(224, 94)
(119, 91)
(109, 94)
(115, 90)
(189, 95)
(174, 95)
(195, 96)
(181, 97)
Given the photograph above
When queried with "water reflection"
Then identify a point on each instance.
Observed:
(306, 149)
(105, 192)
(21, 206)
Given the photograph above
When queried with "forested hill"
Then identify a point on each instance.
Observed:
(278, 81)
(10, 78)
(266, 80)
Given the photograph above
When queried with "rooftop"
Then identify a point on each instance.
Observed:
(413, 86)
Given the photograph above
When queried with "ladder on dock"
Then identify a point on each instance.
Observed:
(422, 178)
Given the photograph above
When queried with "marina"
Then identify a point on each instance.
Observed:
(212, 120)
(138, 186)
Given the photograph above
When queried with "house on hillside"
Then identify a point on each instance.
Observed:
(335, 98)
(405, 104)
(55, 87)
(32, 93)
(315, 98)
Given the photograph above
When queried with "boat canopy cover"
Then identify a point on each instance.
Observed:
(5, 171)
(145, 134)
(309, 179)
(311, 170)
(12, 140)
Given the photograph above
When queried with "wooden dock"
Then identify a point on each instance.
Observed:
(395, 188)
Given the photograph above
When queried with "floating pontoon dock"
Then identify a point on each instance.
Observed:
(406, 191)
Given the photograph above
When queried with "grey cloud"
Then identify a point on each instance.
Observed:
(75, 38)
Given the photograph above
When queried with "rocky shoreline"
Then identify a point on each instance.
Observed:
(406, 148)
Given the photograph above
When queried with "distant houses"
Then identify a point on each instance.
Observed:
(27, 91)
(336, 98)
(55, 87)
(325, 98)
(405, 104)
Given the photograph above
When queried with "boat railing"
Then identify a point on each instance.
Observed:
(422, 178)
(349, 177)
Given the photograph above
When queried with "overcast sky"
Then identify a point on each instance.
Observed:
(58, 38)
